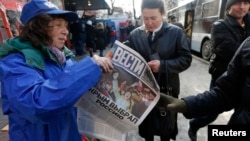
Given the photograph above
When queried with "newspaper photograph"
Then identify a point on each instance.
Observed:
(121, 100)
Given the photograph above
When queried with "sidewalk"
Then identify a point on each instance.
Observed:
(3, 123)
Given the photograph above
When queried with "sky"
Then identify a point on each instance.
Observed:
(127, 5)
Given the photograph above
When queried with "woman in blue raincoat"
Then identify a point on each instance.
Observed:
(40, 81)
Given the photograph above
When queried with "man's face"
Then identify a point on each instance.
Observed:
(152, 18)
(239, 9)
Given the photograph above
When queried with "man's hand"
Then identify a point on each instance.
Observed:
(173, 104)
(154, 65)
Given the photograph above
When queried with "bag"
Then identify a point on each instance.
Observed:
(165, 121)
(212, 68)
(161, 122)
(216, 69)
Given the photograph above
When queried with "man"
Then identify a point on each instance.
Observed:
(166, 50)
(227, 35)
(130, 27)
(231, 92)
(173, 21)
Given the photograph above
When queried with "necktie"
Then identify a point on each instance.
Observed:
(150, 35)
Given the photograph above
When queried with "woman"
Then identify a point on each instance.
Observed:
(42, 82)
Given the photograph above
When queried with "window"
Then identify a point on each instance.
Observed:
(210, 9)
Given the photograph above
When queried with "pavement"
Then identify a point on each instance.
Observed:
(193, 81)
(3, 123)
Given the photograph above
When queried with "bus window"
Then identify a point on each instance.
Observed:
(198, 12)
(210, 9)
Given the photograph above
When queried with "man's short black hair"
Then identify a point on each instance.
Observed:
(173, 17)
(153, 4)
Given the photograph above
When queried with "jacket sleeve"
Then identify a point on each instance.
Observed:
(28, 92)
(181, 58)
(230, 88)
(224, 43)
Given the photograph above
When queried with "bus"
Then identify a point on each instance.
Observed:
(197, 16)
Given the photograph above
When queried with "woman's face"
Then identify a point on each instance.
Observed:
(59, 32)
(152, 18)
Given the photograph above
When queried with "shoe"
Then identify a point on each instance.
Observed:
(192, 134)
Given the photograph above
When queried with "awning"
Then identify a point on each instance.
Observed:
(87, 4)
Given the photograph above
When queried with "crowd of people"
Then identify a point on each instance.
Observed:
(87, 35)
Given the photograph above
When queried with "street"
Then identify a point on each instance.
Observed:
(193, 81)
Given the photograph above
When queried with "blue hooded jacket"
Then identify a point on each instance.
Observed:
(38, 94)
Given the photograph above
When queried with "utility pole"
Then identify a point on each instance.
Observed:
(134, 12)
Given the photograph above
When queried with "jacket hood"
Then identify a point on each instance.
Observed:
(33, 57)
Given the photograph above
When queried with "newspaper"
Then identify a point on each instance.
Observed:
(121, 100)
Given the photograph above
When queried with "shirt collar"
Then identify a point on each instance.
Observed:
(156, 30)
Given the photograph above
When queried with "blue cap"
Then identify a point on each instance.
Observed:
(37, 7)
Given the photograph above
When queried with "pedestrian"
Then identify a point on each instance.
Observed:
(231, 92)
(42, 82)
(101, 37)
(90, 40)
(107, 29)
(227, 35)
(165, 48)
(130, 27)
(173, 21)
(78, 36)
(113, 35)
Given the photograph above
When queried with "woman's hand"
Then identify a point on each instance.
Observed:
(104, 62)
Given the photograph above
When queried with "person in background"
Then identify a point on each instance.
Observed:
(227, 35)
(166, 50)
(173, 21)
(90, 40)
(112, 35)
(130, 27)
(107, 31)
(101, 38)
(231, 92)
(123, 33)
(78, 36)
(42, 82)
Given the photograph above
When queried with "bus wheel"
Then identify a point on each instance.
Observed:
(206, 50)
